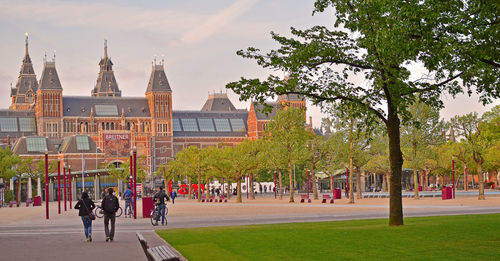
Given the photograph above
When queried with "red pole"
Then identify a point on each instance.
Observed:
(58, 186)
(46, 184)
(131, 170)
(425, 177)
(453, 173)
(69, 187)
(64, 181)
(135, 183)
(275, 184)
(333, 188)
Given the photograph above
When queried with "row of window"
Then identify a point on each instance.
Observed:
(209, 125)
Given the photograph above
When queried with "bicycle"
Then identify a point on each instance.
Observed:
(156, 216)
(99, 212)
(128, 209)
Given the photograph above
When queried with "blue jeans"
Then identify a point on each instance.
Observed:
(87, 225)
(162, 212)
(127, 204)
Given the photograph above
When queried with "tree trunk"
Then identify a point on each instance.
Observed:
(238, 191)
(207, 189)
(290, 175)
(351, 181)
(396, 162)
(252, 194)
(199, 187)
(415, 183)
(358, 183)
(481, 180)
(189, 188)
(281, 184)
(165, 182)
(228, 191)
(315, 185)
(384, 182)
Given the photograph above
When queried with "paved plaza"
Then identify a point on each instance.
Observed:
(26, 234)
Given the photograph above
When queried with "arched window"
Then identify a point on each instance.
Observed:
(86, 127)
(107, 125)
(128, 125)
(112, 125)
(102, 125)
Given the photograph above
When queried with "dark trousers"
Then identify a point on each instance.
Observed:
(107, 218)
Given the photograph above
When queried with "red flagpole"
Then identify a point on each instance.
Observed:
(69, 185)
(135, 183)
(46, 184)
(58, 186)
(65, 188)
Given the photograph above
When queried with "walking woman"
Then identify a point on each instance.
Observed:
(85, 206)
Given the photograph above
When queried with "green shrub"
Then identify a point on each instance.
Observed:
(9, 195)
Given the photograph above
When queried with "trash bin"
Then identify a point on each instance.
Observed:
(147, 207)
(337, 194)
(420, 188)
(446, 193)
(37, 201)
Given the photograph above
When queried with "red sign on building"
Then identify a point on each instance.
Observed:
(117, 144)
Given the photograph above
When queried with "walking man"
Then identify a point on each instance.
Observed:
(159, 198)
(110, 205)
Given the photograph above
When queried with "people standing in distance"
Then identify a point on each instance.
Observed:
(85, 206)
(127, 195)
(159, 198)
(173, 196)
(110, 205)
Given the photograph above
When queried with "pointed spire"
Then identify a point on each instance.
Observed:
(105, 48)
(26, 52)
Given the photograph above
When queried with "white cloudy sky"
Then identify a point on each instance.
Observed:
(198, 38)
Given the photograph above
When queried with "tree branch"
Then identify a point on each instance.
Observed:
(434, 86)
(341, 97)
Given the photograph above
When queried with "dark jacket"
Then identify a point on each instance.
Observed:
(82, 209)
(110, 202)
(161, 196)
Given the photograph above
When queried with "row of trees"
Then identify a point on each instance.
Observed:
(347, 144)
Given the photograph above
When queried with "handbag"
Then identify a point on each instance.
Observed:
(91, 215)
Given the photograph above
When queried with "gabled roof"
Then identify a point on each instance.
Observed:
(203, 121)
(158, 81)
(218, 102)
(261, 115)
(50, 79)
(80, 106)
(17, 123)
(24, 145)
(79, 144)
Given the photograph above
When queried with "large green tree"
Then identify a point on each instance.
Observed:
(456, 41)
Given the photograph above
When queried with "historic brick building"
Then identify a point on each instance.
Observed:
(105, 126)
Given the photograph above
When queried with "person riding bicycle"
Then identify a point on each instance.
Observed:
(127, 195)
(159, 198)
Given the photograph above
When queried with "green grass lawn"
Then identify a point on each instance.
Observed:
(468, 237)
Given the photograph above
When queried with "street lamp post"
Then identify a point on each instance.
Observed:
(135, 183)
(69, 187)
(64, 184)
(46, 184)
(58, 186)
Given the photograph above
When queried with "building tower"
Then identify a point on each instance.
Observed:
(159, 96)
(106, 82)
(23, 95)
(49, 103)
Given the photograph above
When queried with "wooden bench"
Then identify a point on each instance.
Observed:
(303, 198)
(159, 253)
(11, 203)
(327, 197)
(28, 202)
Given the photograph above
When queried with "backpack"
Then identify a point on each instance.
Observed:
(128, 194)
(110, 203)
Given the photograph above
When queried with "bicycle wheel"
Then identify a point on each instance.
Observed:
(119, 212)
(154, 218)
(99, 212)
